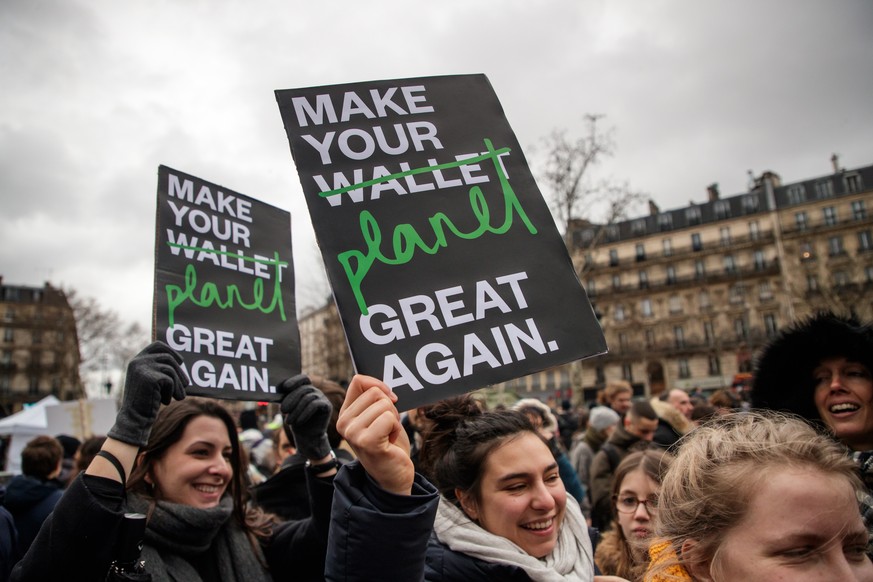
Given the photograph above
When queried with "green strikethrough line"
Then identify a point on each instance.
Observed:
(264, 261)
(415, 171)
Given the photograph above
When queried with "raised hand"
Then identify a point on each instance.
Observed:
(154, 377)
(307, 411)
(370, 423)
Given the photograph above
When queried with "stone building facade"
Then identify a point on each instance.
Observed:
(39, 348)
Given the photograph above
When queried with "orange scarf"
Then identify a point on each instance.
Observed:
(662, 553)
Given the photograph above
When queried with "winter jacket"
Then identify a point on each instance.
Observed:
(79, 536)
(30, 501)
(363, 512)
(672, 424)
(8, 544)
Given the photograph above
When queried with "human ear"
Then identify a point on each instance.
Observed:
(468, 505)
(698, 568)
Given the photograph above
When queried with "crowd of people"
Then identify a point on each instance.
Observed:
(771, 485)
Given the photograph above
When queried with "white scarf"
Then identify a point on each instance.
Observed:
(571, 559)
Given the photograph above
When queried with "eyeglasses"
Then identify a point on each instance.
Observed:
(629, 503)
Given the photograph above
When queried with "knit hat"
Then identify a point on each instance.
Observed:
(602, 417)
(783, 372)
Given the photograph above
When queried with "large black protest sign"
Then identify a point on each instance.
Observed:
(224, 288)
(447, 268)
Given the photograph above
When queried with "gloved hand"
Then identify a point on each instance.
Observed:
(307, 412)
(154, 375)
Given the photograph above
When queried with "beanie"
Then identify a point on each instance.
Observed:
(602, 417)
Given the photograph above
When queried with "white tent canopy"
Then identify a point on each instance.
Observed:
(30, 421)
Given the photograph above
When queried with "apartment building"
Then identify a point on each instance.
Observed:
(39, 349)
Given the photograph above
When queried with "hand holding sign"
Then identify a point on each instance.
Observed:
(154, 376)
(371, 424)
(307, 411)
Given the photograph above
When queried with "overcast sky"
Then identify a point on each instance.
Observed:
(94, 96)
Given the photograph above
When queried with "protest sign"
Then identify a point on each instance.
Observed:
(224, 288)
(447, 268)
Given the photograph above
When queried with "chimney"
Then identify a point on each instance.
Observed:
(712, 190)
(653, 208)
(835, 161)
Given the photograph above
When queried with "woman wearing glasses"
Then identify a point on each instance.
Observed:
(623, 550)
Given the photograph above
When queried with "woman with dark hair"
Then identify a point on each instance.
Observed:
(499, 511)
(623, 550)
(182, 466)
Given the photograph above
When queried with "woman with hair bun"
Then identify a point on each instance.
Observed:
(763, 497)
(498, 510)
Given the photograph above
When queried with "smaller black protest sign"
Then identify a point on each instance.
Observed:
(224, 288)
(447, 268)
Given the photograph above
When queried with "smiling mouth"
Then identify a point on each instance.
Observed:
(209, 489)
(539, 525)
(843, 407)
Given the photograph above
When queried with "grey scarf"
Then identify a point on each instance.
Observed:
(176, 532)
(572, 558)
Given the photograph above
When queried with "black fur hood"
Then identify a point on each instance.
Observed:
(783, 371)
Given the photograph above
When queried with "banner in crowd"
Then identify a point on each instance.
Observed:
(224, 288)
(447, 268)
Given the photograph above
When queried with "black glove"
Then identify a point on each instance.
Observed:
(307, 412)
(154, 375)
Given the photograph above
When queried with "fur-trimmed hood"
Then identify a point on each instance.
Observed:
(669, 414)
(551, 423)
(783, 372)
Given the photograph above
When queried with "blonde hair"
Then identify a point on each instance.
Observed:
(612, 389)
(717, 470)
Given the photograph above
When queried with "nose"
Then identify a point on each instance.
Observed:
(642, 512)
(542, 497)
(221, 467)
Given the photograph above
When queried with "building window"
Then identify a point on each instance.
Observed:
(622, 341)
(765, 292)
(4, 385)
(692, 215)
(627, 372)
(868, 273)
(829, 214)
(640, 252)
(754, 230)
(704, 300)
(671, 274)
(852, 182)
(638, 226)
(806, 252)
(679, 335)
(36, 336)
(646, 307)
(812, 283)
(612, 232)
(741, 328)
(737, 293)
(619, 312)
(730, 265)
(684, 370)
(714, 365)
(8, 334)
(801, 220)
(796, 194)
(865, 243)
(695, 242)
(587, 236)
(724, 234)
(758, 260)
(644, 280)
(665, 221)
(6, 357)
(675, 304)
(600, 374)
(770, 327)
(34, 386)
(859, 211)
(750, 203)
(722, 209)
(616, 282)
(835, 246)
(708, 332)
(613, 257)
(824, 189)
(699, 268)
(9, 315)
(591, 287)
(668, 247)
(841, 279)
(650, 338)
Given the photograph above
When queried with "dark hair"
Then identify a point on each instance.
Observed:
(642, 409)
(41, 456)
(87, 451)
(167, 430)
(460, 440)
